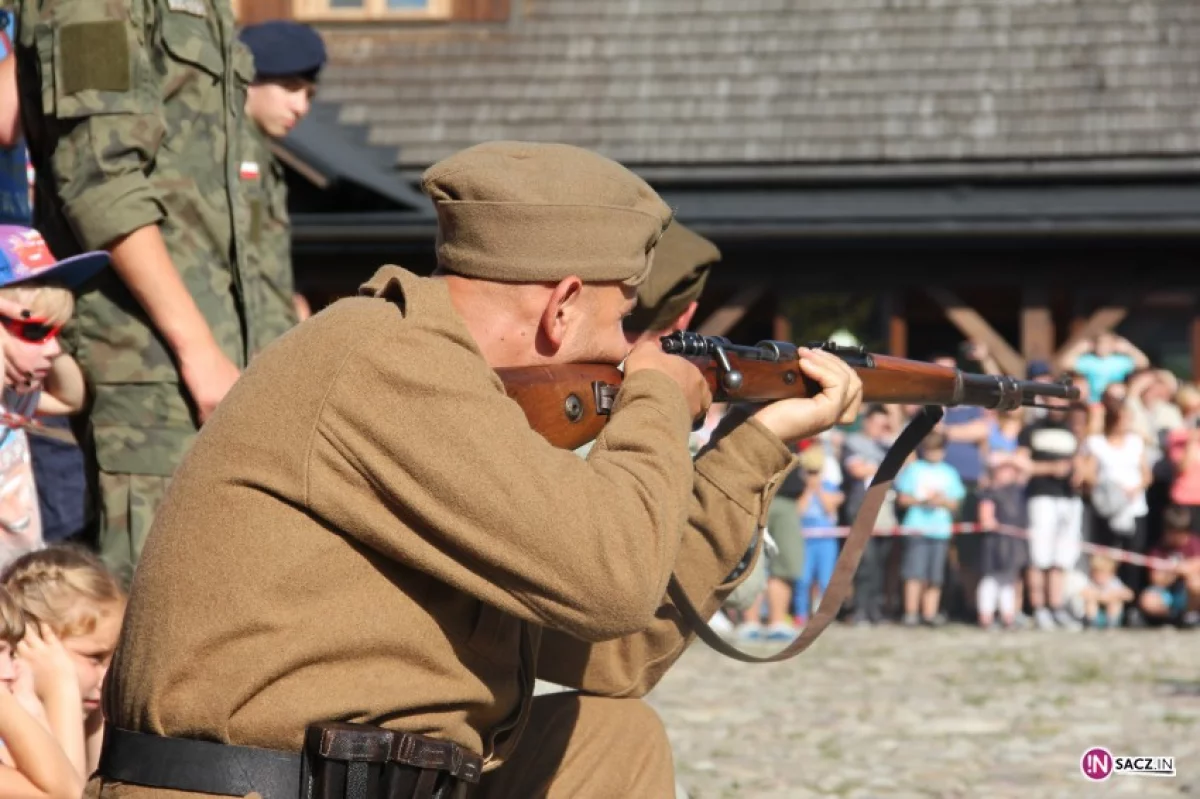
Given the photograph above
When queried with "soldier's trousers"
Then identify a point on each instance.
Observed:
(586, 747)
(573, 747)
(134, 436)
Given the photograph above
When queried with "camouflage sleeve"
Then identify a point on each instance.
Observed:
(102, 101)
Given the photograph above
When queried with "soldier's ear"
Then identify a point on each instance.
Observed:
(684, 320)
(564, 308)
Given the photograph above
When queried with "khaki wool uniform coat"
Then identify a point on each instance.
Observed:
(368, 530)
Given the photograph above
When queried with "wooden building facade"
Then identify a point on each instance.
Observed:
(1021, 173)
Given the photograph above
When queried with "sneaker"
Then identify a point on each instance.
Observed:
(938, 620)
(749, 631)
(1065, 620)
(1043, 619)
(1021, 622)
(911, 620)
(780, 633)
(1189, 620)
(799, 621)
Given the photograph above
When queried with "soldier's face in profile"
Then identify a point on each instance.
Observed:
(278, 105)
(593, 329)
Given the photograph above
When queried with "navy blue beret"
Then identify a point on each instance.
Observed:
(283, 48)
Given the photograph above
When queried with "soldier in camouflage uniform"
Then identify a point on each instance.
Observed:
(133, 111)
(288, 58)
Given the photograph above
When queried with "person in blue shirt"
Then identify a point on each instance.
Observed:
(966, 430)
(930, 492)
(1105, 360)
(818, 508)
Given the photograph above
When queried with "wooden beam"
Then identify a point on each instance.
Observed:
(781, 328)
(1079, 311)
(249, 12)
(1103, 320)
(974, 326)
(897, 324)
(481, 10)
(722, 320)
(1196, 346)
(1037, 325)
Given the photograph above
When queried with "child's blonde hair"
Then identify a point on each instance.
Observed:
(12, 619)
(1188, 396)
(67, 588)
(812, 459)
(49, 301)
(1103, 563)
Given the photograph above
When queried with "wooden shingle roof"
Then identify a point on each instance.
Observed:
(738, 82)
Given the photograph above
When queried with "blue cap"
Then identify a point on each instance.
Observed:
(282, 48)
(25, 256)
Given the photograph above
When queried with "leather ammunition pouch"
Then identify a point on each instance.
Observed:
(339, 761)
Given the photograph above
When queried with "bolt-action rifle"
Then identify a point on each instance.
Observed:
(570, 403)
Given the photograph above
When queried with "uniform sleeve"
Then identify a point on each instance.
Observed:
(420, 456)
(731, 493)
(102, 101)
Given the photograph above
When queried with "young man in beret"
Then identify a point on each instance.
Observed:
(380, 537)
(288, 58)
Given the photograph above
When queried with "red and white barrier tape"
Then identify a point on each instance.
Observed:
(1118, 555)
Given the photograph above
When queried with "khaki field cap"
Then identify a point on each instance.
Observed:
(532, 213)
(682, 262)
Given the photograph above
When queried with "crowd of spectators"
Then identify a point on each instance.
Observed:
(1059, 517)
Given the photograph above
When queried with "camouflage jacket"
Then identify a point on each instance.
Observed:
(268, 278)
(134, 110)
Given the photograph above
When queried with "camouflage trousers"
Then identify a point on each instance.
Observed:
(135, 436)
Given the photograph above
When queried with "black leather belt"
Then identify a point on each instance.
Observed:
(184, 764)
(340, 761)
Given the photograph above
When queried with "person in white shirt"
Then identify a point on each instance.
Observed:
(1120, 467)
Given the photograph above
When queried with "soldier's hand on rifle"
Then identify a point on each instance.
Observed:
(208, 374)
(838, 402)
(649, 355)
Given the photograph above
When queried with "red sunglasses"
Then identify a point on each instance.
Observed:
(31, 331)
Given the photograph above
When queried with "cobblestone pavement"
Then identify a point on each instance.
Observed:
(956, 712)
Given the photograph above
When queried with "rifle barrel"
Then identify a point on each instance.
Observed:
(885, 378)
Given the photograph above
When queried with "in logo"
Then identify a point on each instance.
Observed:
(1096, 764)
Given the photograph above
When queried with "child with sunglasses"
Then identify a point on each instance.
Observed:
(36, 300)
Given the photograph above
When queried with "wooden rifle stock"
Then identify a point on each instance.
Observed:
(570, 403)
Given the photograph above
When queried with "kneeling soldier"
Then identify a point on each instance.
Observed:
(369, 531)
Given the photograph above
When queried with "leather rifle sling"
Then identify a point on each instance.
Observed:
(847, 562)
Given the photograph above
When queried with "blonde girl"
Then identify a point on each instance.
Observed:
(71, 593)
(32, 762)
